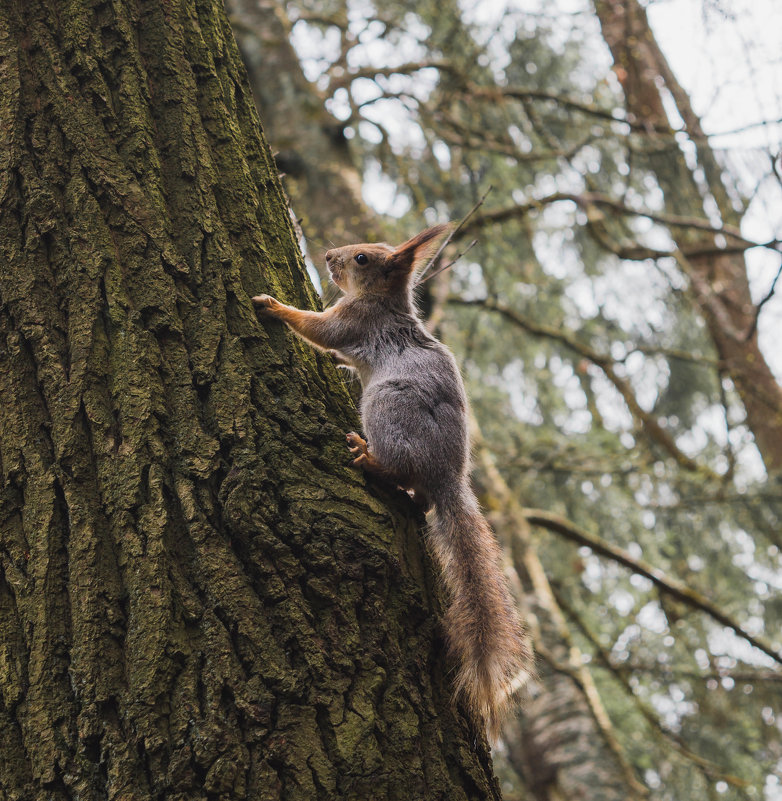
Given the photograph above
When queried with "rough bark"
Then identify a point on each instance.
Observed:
(719, 281)
(198, 599)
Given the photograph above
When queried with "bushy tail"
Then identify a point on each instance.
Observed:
(485, 635)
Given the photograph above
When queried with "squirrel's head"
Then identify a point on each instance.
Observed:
(382, 269)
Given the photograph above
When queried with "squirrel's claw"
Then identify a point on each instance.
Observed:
(264, 302)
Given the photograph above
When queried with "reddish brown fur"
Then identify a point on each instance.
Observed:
(485, 636)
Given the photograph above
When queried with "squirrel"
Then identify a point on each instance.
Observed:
(414, 414)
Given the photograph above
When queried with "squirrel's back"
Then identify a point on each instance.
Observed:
(414, 411)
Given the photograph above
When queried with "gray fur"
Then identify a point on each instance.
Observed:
(413, 406)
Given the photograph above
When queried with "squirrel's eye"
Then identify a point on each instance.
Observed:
(362, 259)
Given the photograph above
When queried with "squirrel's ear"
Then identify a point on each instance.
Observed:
(412, 253)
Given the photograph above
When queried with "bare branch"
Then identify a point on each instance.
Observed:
(676, 589)
(586, 199)
(646, 420)
(494, 93)
(373, 73)
(763, 301)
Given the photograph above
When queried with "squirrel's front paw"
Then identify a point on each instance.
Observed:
(266, 303)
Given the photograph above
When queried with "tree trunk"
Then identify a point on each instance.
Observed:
(309, 143)
(198, 598)
(719, 280)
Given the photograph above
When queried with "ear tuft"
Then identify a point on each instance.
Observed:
(410, 255)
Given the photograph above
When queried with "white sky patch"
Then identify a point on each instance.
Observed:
(652, 618)
(577, 419)
(312, 271)
(610, 403)
(316, 49)
(522, 393)
(730, 647)
(381, 193)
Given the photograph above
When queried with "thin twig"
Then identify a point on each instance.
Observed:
(767, 297)
(446, 266)
(455, 230)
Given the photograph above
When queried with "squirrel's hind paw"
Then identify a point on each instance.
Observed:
(356, 445)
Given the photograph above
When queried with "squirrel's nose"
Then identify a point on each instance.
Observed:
(329, 255)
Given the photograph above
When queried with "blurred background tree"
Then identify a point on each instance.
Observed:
(618, 328)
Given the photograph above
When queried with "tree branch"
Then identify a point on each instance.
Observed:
(647, 421)
(587, 200)
(676, 589)
(494, 93)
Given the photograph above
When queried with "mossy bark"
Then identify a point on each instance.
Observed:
(309, 143)
(198, 597)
